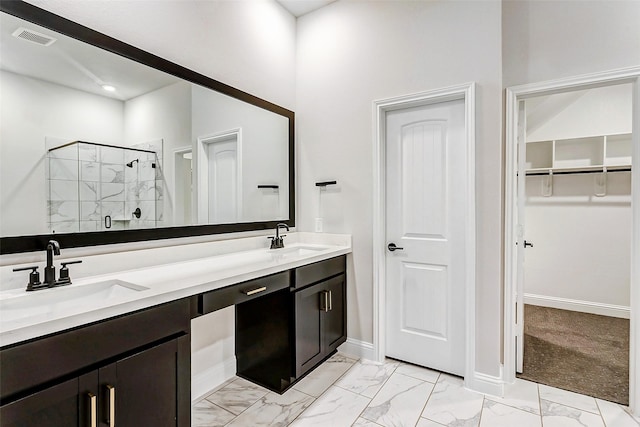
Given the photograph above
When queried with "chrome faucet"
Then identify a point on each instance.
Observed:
(277, 242)
(53, 248)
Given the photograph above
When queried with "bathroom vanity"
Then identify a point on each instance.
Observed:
(129, 365)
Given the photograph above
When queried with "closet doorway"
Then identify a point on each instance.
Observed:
(570, 227)
(577, 218)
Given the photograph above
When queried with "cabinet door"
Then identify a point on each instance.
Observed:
(56, 406)
(141, 389)
(308, 327)
(335, 319)
(320, 322)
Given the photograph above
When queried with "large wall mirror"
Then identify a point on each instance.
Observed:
(104, 143)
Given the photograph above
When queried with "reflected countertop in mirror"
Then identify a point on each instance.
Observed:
(92, 141)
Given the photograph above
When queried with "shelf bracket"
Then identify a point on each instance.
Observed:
(547, 185)
(600, 183)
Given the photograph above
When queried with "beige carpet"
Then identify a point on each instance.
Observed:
(580, 352)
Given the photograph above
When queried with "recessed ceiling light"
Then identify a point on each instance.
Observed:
(109, 88)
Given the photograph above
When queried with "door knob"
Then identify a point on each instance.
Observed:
(527, 244)
(392, 247)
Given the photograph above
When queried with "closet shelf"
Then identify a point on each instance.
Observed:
(578, 170)
(579, 155)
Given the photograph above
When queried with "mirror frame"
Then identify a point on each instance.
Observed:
(17, 244)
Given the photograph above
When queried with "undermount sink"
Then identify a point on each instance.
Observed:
(59, 300)
(296, 251)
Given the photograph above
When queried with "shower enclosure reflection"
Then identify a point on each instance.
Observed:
(98, 187)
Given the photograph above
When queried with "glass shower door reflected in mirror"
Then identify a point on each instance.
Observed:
(97, 187)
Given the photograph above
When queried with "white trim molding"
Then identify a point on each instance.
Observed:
(358, 349)
(513, 96)
(203, 383)
(486, 384)
(173, 197)
(578, 305)
(380, 108)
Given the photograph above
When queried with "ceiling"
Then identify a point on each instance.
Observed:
(301, 7)
(77, 65)
(71, 63)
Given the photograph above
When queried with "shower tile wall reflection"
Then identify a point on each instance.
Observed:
(99, 188)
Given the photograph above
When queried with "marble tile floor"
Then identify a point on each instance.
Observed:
(346, 392)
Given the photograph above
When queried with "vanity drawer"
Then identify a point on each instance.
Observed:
(236, 294)
(316, 272)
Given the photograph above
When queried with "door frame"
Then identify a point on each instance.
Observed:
(465, 92)
(178, 152)
(513, 96)
(202, 171)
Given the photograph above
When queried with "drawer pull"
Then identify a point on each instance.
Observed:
(93, 410)
(112, 406)
(255, 291)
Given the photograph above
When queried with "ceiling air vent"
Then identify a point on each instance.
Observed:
(33, 36)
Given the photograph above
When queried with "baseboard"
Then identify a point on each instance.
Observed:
(577, 305)
(357, 349)
(205, 382)
(486, 384)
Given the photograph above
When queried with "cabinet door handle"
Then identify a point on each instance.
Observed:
(255, 291)
(111, 420)
(93, 410)
(325, 304)
(330, 301)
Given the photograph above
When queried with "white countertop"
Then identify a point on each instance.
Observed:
(165, 283)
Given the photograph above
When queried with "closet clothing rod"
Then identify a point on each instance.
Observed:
(576, 172)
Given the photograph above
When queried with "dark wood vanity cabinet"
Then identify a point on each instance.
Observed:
(135, 370)
(129, 371)
(320, 322)
(143, 386)
(282, 336)
(56, 406)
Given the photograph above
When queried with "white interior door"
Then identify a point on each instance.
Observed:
(522, 177)
(218, 179)
(425, 216)
(223, 165)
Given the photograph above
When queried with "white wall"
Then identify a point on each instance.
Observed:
(593, 112)
(264, 149)
(31, 110)
(582, 243)
(544, 40)
(246, 44)
(352, 53)
(162, 114)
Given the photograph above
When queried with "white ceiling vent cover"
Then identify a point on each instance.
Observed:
(33, 36)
